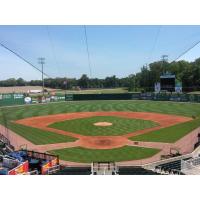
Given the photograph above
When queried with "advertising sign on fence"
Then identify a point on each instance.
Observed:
(11, 99)
(49, 165)
(21, 169)
(178, 86)
(157, 87)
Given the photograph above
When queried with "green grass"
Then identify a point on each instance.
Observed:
(39, 137)
(79, 154)
(120, 125)
(175, 108)
(170, 134)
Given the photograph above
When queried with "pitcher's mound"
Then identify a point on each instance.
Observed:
(103, 124)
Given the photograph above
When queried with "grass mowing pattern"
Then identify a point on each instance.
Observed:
(39, 137)
(79, 154)
(175, 108)
(170, 134)
(120, 125)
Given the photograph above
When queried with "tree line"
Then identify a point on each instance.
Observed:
(186, 72)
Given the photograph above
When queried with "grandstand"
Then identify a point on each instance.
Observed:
(25, 162)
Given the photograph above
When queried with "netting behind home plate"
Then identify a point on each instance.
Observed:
(104, 168)
(191, 167)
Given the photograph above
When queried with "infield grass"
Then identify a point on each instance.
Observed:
(79, 154)
(120, 125)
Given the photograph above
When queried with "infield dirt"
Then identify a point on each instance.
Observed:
(102, 142)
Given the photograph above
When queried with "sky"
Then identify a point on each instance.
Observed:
(114, 50)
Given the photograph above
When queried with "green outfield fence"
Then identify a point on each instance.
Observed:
(136, 96)
(11, 99)
(18, 99)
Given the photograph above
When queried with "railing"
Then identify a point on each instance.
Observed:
(4, 139)
(195, 161)
(191, 166)
(161, 170)
(7, 142)
(39, 155)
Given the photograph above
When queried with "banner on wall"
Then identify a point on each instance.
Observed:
(46, 167)
(54, 162)
(49, 165)
(27, 100)
(22, 168)
(178, 86)
(157, 87)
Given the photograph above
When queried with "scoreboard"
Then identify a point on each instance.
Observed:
(167, 82)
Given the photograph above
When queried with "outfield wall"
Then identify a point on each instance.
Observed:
(11, 99)
(137, 96)
(18, 99)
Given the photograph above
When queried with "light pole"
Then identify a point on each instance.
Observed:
(164, 58)
(42, 62)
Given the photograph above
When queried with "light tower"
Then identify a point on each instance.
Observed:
(164, 58)
(41, 61)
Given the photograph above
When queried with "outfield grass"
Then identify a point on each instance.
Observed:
(174, 108)
(39, 137)
(79, 154)
(120, 125)
(170, 134)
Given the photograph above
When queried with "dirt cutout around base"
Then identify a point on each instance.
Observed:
(102, 124)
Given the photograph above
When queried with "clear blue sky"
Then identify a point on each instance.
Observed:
(114, 50)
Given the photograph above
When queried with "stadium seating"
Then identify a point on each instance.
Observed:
(173, 167)
(122, 171)
(135, 171)
(75, 171)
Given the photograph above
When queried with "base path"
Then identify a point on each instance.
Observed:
(102, 142)
(105, 142)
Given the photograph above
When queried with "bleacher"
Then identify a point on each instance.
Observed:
(173, 167)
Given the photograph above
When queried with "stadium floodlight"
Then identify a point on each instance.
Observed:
(41, 61)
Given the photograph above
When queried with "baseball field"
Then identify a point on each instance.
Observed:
(88, 131)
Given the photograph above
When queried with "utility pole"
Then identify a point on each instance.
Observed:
(42, 62)
(65, 86)
(164, 58)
